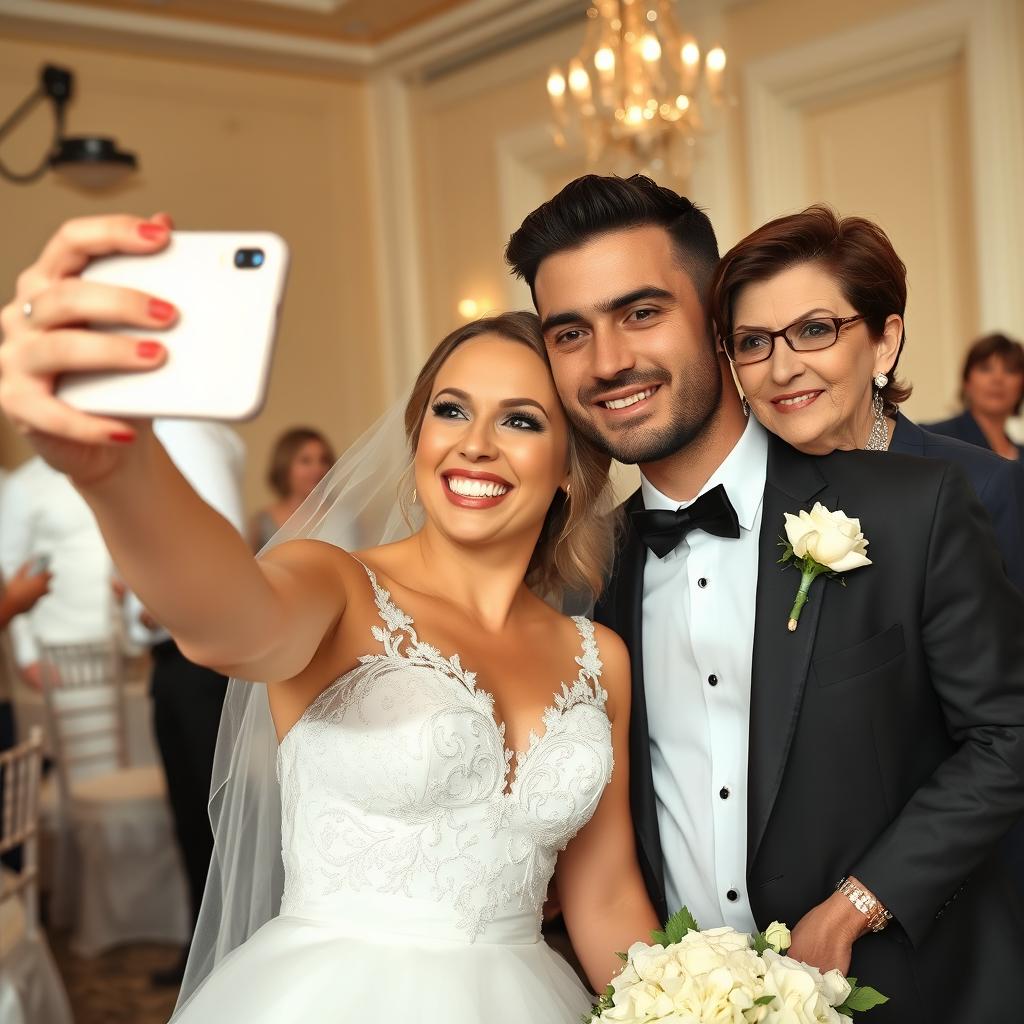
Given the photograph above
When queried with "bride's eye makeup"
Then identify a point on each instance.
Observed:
(446, 409)
(524, 421)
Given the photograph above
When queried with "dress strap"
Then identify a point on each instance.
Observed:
(399, 625)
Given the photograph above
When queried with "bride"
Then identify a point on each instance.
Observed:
(444, 739)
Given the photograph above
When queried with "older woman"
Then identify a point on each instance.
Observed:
(809, 309)
(992, 391)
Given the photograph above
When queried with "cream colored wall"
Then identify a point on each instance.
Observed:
(904, 159)
(915, 130)
(227, 148)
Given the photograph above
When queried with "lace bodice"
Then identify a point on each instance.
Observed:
(397, 781)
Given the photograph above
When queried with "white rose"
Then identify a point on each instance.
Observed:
(798, 989)
(836, 987)
(830, 538)
(778, 936)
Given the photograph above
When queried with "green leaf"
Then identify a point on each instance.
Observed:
(760, 943)
(764, 1001)
(676, 927)
(861, 999)
(606, 1002)
(624, 957)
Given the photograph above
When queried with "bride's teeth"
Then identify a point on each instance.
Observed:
(799, 400)
(468, 488)
(625, 403)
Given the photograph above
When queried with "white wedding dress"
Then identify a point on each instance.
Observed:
(416, 857)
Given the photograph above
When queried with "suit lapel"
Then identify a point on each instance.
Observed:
(780, 659)
(622, 609)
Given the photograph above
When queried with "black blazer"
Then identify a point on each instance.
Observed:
(886, 733)
(965, 428)
(998, 483)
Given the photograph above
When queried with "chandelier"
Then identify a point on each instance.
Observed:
(636, 88)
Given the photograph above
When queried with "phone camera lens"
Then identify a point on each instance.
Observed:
(249, 259)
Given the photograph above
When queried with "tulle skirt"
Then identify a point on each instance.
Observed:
(336, 965)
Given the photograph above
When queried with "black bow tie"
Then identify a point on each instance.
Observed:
(662, 529)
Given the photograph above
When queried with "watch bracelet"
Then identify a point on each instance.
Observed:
(869, 905)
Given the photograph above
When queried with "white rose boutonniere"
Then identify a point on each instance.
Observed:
(820, 542)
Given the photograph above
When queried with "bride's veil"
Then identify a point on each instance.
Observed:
(357, 505)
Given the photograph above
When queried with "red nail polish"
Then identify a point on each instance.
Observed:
(153, 232)
(149, 349)
(123, 437)
(160, 310)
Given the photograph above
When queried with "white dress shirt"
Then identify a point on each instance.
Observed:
(42, 514)
(698, 637)
(211, 457)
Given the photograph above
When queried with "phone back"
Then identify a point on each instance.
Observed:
(218, 351)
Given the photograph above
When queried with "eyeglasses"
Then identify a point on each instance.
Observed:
(754, 346)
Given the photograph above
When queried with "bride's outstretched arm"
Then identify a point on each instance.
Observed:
(600, 887)
(187, 564)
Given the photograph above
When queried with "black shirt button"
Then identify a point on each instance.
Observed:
(712, 680)
(702, 583)
(724, 792)
(732, 895)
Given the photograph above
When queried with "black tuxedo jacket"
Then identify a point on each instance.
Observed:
(886, 733)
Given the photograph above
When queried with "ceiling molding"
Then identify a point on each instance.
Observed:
(455, 37)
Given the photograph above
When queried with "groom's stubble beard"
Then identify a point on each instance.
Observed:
(696, 398)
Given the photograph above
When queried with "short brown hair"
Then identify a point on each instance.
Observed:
(575, 546)
(856, 251)
(285, 449)
(1011, 352)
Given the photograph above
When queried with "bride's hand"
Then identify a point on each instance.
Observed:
(44, 335)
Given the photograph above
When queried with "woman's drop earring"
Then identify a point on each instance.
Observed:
(878, 439)
(415, 496)
(880, 380)
(746, 405)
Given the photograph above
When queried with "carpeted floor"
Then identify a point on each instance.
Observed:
(114, 988)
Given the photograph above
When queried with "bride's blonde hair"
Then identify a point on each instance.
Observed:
(575, 547)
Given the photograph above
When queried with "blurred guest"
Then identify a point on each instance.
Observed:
(992, 391)
(299, 462)
(810, 309)
(42, 514)
(187, 698)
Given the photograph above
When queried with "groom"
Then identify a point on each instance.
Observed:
(883, 741)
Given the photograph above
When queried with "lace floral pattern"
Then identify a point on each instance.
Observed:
(397, 780)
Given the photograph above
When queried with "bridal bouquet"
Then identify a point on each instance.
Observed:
(688, 976)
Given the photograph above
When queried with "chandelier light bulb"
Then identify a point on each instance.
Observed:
(650, 48)
(716, 59)
(468, 308)
(556, 84)
(634, 115)
(579, 80)
(690, 54)
(604, 59)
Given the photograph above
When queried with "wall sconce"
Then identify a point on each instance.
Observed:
(88, 161)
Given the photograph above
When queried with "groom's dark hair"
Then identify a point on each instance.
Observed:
(594, 205)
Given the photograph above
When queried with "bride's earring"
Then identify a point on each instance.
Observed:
(745, 404)
(415, 496)
(878, 439)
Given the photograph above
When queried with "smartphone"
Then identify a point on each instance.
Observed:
(228, 287)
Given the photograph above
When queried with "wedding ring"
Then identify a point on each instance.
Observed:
(26, 310)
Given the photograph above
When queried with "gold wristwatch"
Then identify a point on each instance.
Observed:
(866, 902)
